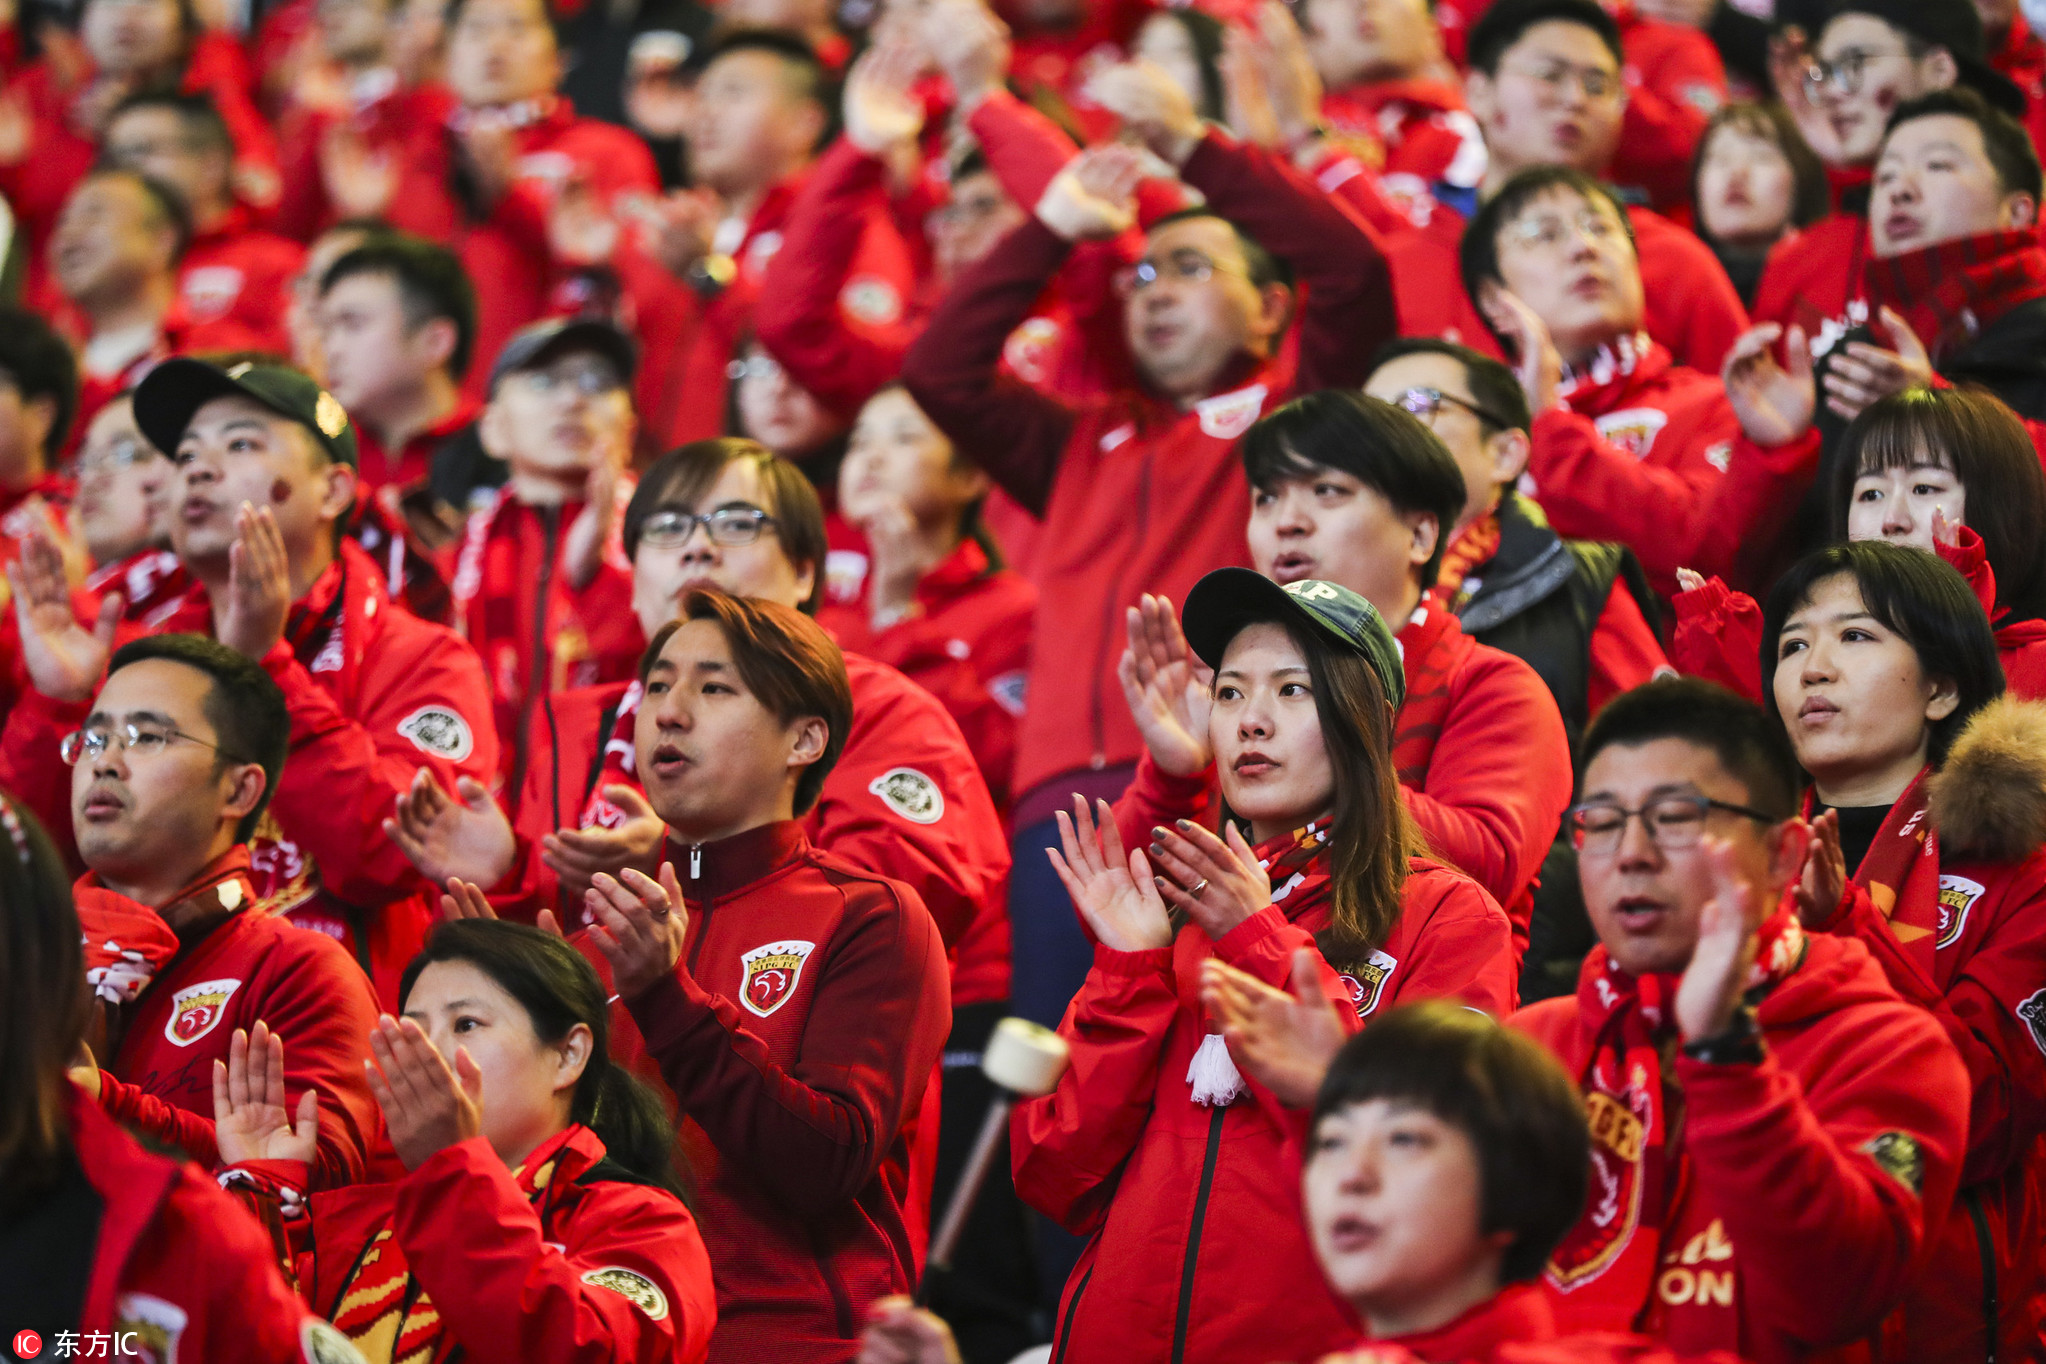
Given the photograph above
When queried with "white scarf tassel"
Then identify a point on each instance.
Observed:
(1216, 1081)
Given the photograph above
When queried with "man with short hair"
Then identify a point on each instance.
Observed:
(542, 587)
(266, 476)
(1782, 1208)
(397, 325)
(231, 269)
(38, 403)
(170, 775)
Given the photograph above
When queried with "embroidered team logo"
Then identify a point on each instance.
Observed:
(641, 1291)
(1613, 1205)
(197, 1010)
(771, 972)
(1030, 349)
(1228, 415)
(211, 290)
(1633, 429)
(872, 300)
(1898, 1155)
(154, 1325)
(911, 794)
(439, 731)
(1957, 895)
(1367, 982)
(845, 573)
(2033, 1011)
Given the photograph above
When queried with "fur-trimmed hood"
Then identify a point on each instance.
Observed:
(1988, 800)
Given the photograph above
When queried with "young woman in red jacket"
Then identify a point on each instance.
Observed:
(540, 1218)
(1929, 787)
(1949, 470)
(1153, 1140)
(104, 1247)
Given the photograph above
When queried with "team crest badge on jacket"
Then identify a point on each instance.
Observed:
(197, 1010)
(771, 972)
(1957, 895)
(1619, 1130)
(1367, 982)
(2032, 1010)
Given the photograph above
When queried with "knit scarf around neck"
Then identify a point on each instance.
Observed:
(1951, 292)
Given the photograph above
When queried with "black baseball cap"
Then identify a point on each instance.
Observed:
(1954, 25)
(1228, 599)
(534, 346)
(171, 393)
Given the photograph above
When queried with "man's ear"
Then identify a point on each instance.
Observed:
(811, 736)
(1788, 844)
(1508, 453)
(438, 336)
(246, 783)
(1478, 95)
(2019, 210)
(339, 493)
(1274, 305)
(493, 431)
(1939, 69)
(1424, 531)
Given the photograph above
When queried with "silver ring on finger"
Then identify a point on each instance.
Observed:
(1195, 892)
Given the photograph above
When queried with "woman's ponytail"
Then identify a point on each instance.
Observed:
(632, 1122)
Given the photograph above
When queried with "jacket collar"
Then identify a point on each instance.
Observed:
(713, 870)
(1518, 1315)
(1530, 565)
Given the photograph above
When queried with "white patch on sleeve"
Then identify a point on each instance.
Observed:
(911, 794)
(641, 1291)
(439, 731)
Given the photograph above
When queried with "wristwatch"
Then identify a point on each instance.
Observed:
(1738, 1044)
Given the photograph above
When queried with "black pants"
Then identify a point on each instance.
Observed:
(989, 1297)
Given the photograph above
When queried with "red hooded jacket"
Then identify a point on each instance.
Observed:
(1122, 1154)
(1791, 1210)
(1147, 497)
(799, 1034)
(238, 967)
(591, 1267)
(179, 1269)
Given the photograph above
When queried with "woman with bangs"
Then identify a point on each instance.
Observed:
(1154, 1146)
(1947, 470)
(1929, 784)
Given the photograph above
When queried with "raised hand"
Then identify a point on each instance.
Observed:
(677, 227)
(640, 925)
(1536, 361)
(64, 659)
(359, 183)
(1152, 105)
(882, 111)
(250, 1118)
(1283, 1041)
(970, 45)
(577, 855)
(1711, 987)
(1094, 195)
(1118, 898)
(1772, 402)
(900, 1332)
(428, 1107)
(1168, 690)
(1824, 879)
(1245, 98)
(1290, 77)
(258, 585)
(1689, 580)
(580, 229)
(1863, 373)
(448, 838)
(465, 901)
(589, 535)
(1217, 881)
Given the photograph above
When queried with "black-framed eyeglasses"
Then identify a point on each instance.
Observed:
(1845, 72)
(729, 526)
(1184, 266)
(1673, 822)
(136, 741)
(1426, 402)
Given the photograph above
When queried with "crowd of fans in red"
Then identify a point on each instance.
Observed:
(596, 590)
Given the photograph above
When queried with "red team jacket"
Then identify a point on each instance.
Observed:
(1192, 1212)
(1794, 1205)
(799, 1036)
(1516, 1327)
(593, 1267)
(1149, 498)
(228, 975)
(236, 271)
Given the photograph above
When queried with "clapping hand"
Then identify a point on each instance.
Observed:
(1283, 1041)
(1117, 897)
(1825, 872)
(1169, 691)
(64, 659)
(578, 855)
(882, 111)
(1536, 361)
(250, 1118)
(1152, 105)
(1712, 985)
(1772, 402)
(640, 926)
(1217, 881)
(258, 585)
(1862, 373)
(447, 838)
(427, 1106)
(1094, 196)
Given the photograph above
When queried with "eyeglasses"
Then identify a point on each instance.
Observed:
(1845, 72)
(1184, 266)
(1426, 402)
(1673, 822)
(136, 740)
(124, 452)
(728, 526)
(1550, 230)
(759, 365)
(1557, 76)
(592, 379)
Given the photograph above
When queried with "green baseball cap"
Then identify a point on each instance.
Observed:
(169, 396)
(1228, 599)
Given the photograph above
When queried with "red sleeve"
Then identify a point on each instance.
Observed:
(1827, 1239)
(1017, 434)
(1067, 1149)
(1461, 947)
(1342, 176)
(346, 771)
(516, 1294)
(1741, 529)
(951, 852)
(1624, 651)
(1024, 149)
(1346, 311)
(1499, 779)
(814, 1133)
(1979, 1012)
(31, 769)
(1693, 307)
(797, 314)
(1719, 638)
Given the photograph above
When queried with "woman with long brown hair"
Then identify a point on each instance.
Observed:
(1153, 1140)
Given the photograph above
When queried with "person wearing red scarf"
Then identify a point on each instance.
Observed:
(170, 775)
(266, 474)
(1932, 854)
(1354, 491)
(1776, 1134)
(1317, 879)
